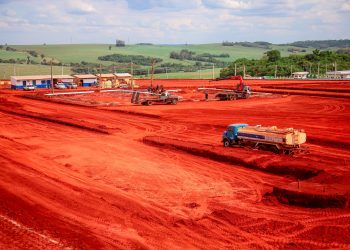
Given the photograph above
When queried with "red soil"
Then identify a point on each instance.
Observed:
(81, 176)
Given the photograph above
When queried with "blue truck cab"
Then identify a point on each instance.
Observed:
(229, 136)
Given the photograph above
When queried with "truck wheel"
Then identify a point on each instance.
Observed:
(174, 101)
(275, 150)
(226, 143)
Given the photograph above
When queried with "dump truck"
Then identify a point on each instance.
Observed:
(282, 141)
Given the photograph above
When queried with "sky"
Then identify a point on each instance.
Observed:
(172, 21)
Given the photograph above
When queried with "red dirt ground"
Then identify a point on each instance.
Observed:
(80, 176)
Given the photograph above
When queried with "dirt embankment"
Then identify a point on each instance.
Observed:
(291, 167)
(58, 120)
(311, 200)
(104, 107)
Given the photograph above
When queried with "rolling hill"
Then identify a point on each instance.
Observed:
(67, 54)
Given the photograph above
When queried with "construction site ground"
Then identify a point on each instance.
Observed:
(95, 171)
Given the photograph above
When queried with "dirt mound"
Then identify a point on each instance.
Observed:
(291, 167)
(311, 200)
(337, 90)
(135, 113)
(322, 141)
(303, 92)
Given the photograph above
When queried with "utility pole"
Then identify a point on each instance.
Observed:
(318, 70)
(291, 70)
(310, 68)
(51, 81)
(243, 70)
(152, 73)
(132, 75)
(166, 72)
(235, 69)
(200, 73)
(100, 80)
(275, 71)
(213, 71)
(335, 70)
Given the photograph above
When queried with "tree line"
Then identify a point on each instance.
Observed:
(136, 59)
(258, 44)
(317, 61)
(322, 44)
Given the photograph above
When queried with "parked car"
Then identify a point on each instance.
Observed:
(123, 86)
(29, 87)
(60, 85)
(71, 85)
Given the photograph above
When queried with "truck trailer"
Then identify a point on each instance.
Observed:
(284, 141)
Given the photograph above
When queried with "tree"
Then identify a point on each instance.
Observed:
(109, 47)
(273, 55)
(119, 43)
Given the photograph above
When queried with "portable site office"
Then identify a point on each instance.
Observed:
(38, 81)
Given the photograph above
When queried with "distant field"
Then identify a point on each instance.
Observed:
(204, 74)
(90, 52)
(8, 70)
(76, 53)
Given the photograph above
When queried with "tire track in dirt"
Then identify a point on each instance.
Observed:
(19, 236)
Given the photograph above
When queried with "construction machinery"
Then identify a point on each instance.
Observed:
(285, 141)
(242, 91)
(148, 98)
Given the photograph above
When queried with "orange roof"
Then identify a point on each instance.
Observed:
(86, 76)
(106, 75)
(41, 77)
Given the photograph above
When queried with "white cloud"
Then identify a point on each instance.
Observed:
(174, 21)
(80, 7)
(346, 6)
(228, 4)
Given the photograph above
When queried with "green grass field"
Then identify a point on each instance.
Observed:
(90, 52)
(8, 70)
(203, 74)
(76, 53)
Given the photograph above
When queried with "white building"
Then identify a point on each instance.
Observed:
(86, 80)
(39, 81)
(300, 75)
(18, 82)
(343, 74)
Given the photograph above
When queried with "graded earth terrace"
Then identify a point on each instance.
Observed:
(92, 171)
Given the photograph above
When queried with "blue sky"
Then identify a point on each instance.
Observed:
(172, 21)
